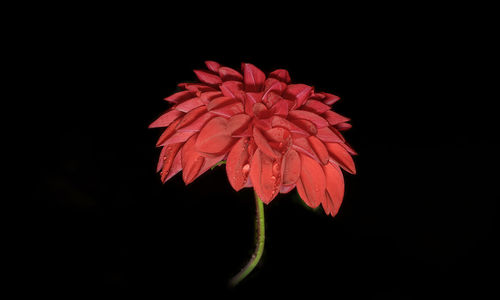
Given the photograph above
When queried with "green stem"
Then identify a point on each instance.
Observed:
(259, 247)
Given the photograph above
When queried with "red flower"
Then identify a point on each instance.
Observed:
(275, 135)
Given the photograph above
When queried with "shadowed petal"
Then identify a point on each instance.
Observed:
(307, 115)
(166, 119)
(343, 126)
(316, 107)
(263, 143)
(334, 189)
(307, 125)
(253, 78)
(330, 98)
(312, 183)
(207, 77)
(265, 173)
(206, 97)
(237, 123)
(341, 157)
(334, 118)
(286, 188)
(237, 164)
(214, 137)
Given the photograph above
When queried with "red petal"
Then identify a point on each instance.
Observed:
(214, 137)
(166, 119)
(167, 133)
(286, 188)
(307, 125)
(280, 74)
(291, 167)
(237, 164)
(334, 118)
(167, 156)
(189, 105)
(166, 174)
(274, 85)
(212, 65)
(266, 176)
(263, 144)
(178, 137)
(206, 97)
(298, 92)
(253, 78)
(198, 123)
(343, 126)
(196, 87)
(327, 135)
(312, 183)
(349, 148)
(220, 102)
(229, 74)
(277, 121)
(207, 77)
(319, 148)
(261, 111)
(334, 189)
(280, 108)
(307, 115)
(229, 110)
(303, 146)
(315, 106)
(330, 98)
(180, 96)
(233, 89)
(191, 161)
(341, 157)
(191, 116)
(238, 122)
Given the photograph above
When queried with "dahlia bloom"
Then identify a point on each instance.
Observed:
(274, 135)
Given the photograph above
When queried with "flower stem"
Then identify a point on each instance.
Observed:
(259, 246)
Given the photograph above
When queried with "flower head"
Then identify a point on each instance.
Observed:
(275, 135)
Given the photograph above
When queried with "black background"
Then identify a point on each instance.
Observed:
(417, 220)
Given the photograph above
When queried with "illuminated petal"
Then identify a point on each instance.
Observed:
(167, 133)
(334, 118)
(307, 115)
(316, 107)
(319, 148)
(180, 96)
(265, 173)
(229, 110)
(298, 92)
(291, 167)
(327, 135)
(214, 137)
(334, 189)
(167, 156)
(166, 119)
(237, 123)
(212, 65)
(191, 160)
(189, 105)
(263, 143)
(312, 183)
(233, 89)
(341, 157)
(192, 116)
(330, 98)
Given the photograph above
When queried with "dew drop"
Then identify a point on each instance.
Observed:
(246, 168)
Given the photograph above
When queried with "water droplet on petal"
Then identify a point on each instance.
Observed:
(246, 168)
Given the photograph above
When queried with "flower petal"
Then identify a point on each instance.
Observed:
(341, 157)
(176, 167)
(198, 123)
(166, 119)
(233, 89)
(214, 137)
(237, 164)
(298, 92)
(189, 105)
(167, 133)
(319, 148)
(237, 123)
(327, 135)
(334, 189)
(307, 115)
(167, 156)
(253, 78)
(191, 160)
(229, 74)
(291, 167)
(330, 98)
(263, 144)
(212, 65)
(192, 116)
(316, 107)
(312, 183)
(229, 110)
(343, 126)
(207, 77)
(220, 102)
(307, 125)
(265, 173)
(180, 96)
(334, 118)
(280, 74)
(277, 121)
